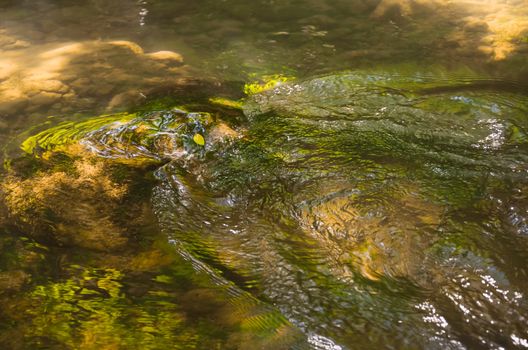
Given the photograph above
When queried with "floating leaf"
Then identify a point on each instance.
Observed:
(199, 139)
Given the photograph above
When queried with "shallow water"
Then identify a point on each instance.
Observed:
(371, 192)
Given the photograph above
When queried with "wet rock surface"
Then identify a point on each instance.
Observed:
(86, 75)
(369, 212)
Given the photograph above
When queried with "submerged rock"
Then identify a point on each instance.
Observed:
(158, 135)
(73, 206)
(345, 200)
(98, 76)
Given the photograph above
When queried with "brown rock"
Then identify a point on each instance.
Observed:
(135, 48)
(13, 280)
(45, 98)
(125, 99)
(18, 44)
(3, 124)
(221, 132)
(13, 105)
(53, 86)
(166, 56)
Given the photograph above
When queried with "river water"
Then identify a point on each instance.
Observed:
(362, 184)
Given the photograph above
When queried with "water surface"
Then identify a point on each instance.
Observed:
(371, 193)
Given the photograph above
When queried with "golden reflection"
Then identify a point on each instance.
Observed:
(378, 239)
(74, 205)
(7, 68)
(496, 28)
(67, 77)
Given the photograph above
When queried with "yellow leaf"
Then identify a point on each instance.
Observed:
(199, 139)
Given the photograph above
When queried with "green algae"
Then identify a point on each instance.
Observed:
(342, 180)
(91, 310)
(266, 82)
(137, 137)
(68, 133)
(227, 103)
(96, 307)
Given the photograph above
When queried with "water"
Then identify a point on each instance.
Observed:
(368, 192)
